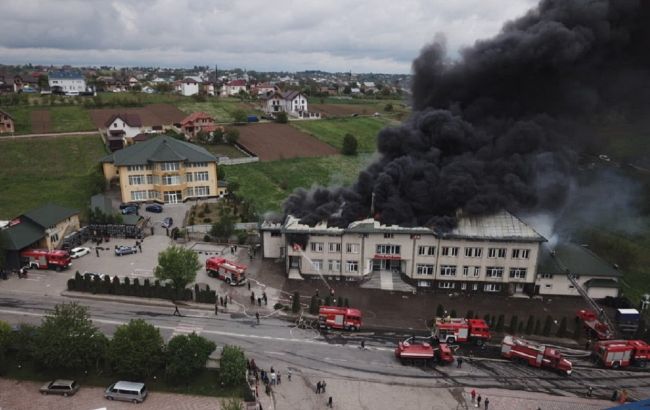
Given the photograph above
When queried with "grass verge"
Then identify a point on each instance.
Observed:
(71, 119)
(365, 129)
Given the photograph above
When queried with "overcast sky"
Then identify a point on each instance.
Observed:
(381, 36)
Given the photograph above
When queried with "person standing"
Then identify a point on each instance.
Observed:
(265, 299)
(249, 285)
(478, 401)
(318, 388)
(330, 402)
(323, 385)
(257, 316)
(176, 311)
(459, 362)
(279, 378)
(473, 394)
(97, 251)
(289, 375)
(487, 403)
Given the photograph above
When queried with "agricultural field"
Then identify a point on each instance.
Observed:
(270, 142)
(57, 118)
(154, 114)
(223, 150)
(34, 171)
(70, 119)
(332, 131)
(267, 184)
(22, 118)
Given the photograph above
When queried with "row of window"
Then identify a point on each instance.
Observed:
(475, 271)
(167, 179)
(334, 265)
(475, 252)
(334, 247)
(487, 287)
(167, 166)
(198, 191)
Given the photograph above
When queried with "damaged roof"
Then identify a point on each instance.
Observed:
(502, 226)
(572, 258)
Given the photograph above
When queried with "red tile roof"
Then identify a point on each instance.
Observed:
(195, 116)
(234, 83)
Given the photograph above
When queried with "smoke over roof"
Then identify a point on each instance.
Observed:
(501, 127)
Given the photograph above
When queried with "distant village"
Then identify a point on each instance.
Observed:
(200, 80)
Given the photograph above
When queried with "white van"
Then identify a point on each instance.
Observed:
(127, 391)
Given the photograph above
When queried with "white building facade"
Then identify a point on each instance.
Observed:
(189, 87)
(496, 254)
(67, 81)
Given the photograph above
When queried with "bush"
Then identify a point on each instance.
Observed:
(207, 220)
(388, 107)
(281, 118)
(186, 356)
(514, 321)
(469, 314)
(350, 145)
(71, 284)
(136, 350)
(206, 238)
(530, 324)
(278, 306)
(232, 366)
(440, 311)
(538, 327)
(499, 326)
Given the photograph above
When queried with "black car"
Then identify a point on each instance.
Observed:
(129, 205)
(130, 210)
(125, 250)
(154, 208)
(167, 222)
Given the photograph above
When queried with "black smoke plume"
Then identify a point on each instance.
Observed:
(502, 127)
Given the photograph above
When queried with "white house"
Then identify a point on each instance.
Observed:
(66, 81)
(189, 86)
(293, 103)
(126, 125)
(233, 87)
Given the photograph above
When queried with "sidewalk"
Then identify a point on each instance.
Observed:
(354, 394)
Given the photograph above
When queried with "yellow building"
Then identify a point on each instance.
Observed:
(163, 169)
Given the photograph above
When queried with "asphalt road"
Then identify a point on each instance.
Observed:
(276, 342)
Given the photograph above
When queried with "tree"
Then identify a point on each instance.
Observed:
(529, 324)
(136, 350)
(349, 145)
(547, 326)
(562, 330)
(499, 326)
(232, 366)
(225, 226)
(67, 339)
(281, 117)
(514, 320)
(239, 116)
(295, 303)
(440, 311)
(538, 327)
(469, 314)
(178, 265)
(232, 403)
(388, 107)
(313, 305)
(231, 135)
(187, 356)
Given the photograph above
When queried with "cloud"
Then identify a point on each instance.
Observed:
(337, 35)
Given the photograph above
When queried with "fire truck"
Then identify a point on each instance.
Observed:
(621, 353)
(412, 351)
(232, 273)
(333, 317)
(44, 259)
(535, 355)
(452, 330)
(593, 325)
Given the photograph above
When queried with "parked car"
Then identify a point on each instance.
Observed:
(167, 222)
(93, 275)
(129, 204)
(126, 391)
(154, 208)
(130, 210)
(79, 252)
(125, 250)
(63, 387)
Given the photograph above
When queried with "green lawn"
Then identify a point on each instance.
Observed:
(267, 184)
(22, 119)
(332, 131)
(70, 119)
(63, 170)
(221, 150)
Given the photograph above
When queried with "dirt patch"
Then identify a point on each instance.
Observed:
(272, 142)
(41, 121)
(154, 114)
(343, 110)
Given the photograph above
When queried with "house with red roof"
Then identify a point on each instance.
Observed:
(197, 122)
(234, 87)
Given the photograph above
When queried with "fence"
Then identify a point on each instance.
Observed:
(240, 226)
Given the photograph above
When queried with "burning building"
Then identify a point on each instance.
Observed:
(495, 253)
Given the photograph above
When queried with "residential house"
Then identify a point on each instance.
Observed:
(368, 87)
(43, 227)
(148, 90)
(264, 89)
(234, 87)
(207, 88)
(162, 169)
(188, 87)
(67, 81)
(197, 122)
(6, 122)
(293, 103)
(120, 128)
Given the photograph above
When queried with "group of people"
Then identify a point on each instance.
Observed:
(321, 388)
(476, 400)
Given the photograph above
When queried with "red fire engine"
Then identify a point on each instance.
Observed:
(232, 273)
(333, 317)
(621, 353)
(44, 259)
(594, 326)
(412, 351)
(535, 355)
(452, 330)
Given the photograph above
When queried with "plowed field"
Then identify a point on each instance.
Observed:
(154, 114)
(281, 141)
